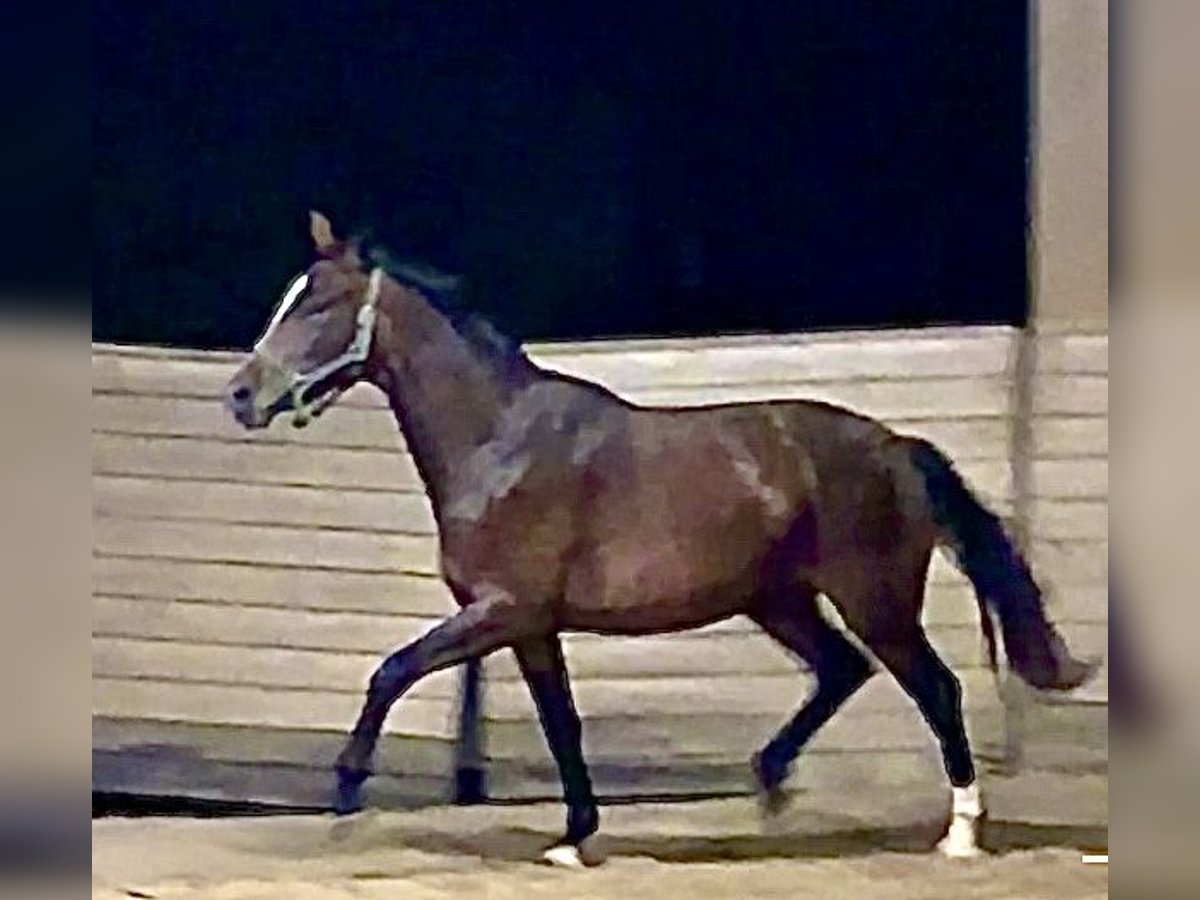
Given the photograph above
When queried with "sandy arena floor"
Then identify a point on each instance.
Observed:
(823, 847)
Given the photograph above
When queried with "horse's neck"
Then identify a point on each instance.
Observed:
(447, 394)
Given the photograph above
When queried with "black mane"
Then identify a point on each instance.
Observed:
(445, 292)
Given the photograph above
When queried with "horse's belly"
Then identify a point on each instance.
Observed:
(654, 617)
(641, 592)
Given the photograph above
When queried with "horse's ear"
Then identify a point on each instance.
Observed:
(322, 231)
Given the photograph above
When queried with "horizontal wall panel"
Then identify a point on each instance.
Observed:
(269, 668)
(1071, 562)
(382, 593)
(1070, 519)
(257, 463)
(1080, 478)
(270, 545)
(249, 705)
(343, 425)
(963, 440)
(776, 361)
(253, 626)
(257, 744)
(120, 496)
(168, 771)
(1079, 395)
(949, 398)
(1061, 437)
(1073, 354)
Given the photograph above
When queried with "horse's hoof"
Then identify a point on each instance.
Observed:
(348, 798)
(961, 840)
(773, 803)
(564, 856)
(953, 850)
(772, 798)
(572, 856)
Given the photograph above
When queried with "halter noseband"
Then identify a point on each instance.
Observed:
(360, 347)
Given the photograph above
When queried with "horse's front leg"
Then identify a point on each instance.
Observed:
(545, 672)
(475, 631)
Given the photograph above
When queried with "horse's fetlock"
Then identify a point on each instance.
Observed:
(583, 820)
(771, 767)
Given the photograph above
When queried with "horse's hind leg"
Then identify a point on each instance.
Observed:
(542, 665)
(794, 621)
(891, 628)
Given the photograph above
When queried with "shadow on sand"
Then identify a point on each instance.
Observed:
(999, 837)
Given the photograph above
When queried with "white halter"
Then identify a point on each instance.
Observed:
(355, 353)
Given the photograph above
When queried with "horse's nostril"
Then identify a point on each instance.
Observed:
(241, 394)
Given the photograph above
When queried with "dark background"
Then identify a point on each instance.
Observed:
(592, 168)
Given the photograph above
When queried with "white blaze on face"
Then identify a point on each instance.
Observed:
(289, 300)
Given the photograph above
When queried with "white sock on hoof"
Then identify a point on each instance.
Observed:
(566, 856)
(962, 837)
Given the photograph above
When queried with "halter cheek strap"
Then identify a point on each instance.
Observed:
(354, 354)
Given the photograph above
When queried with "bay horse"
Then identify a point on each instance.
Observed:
(562, 507)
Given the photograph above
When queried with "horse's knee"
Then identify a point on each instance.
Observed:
(583, 820)
(389, 678)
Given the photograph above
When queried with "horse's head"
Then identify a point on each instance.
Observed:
(316, 343)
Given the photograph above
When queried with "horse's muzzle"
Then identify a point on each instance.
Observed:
(240, 397)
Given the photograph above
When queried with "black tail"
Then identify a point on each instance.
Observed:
(1000, 575)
